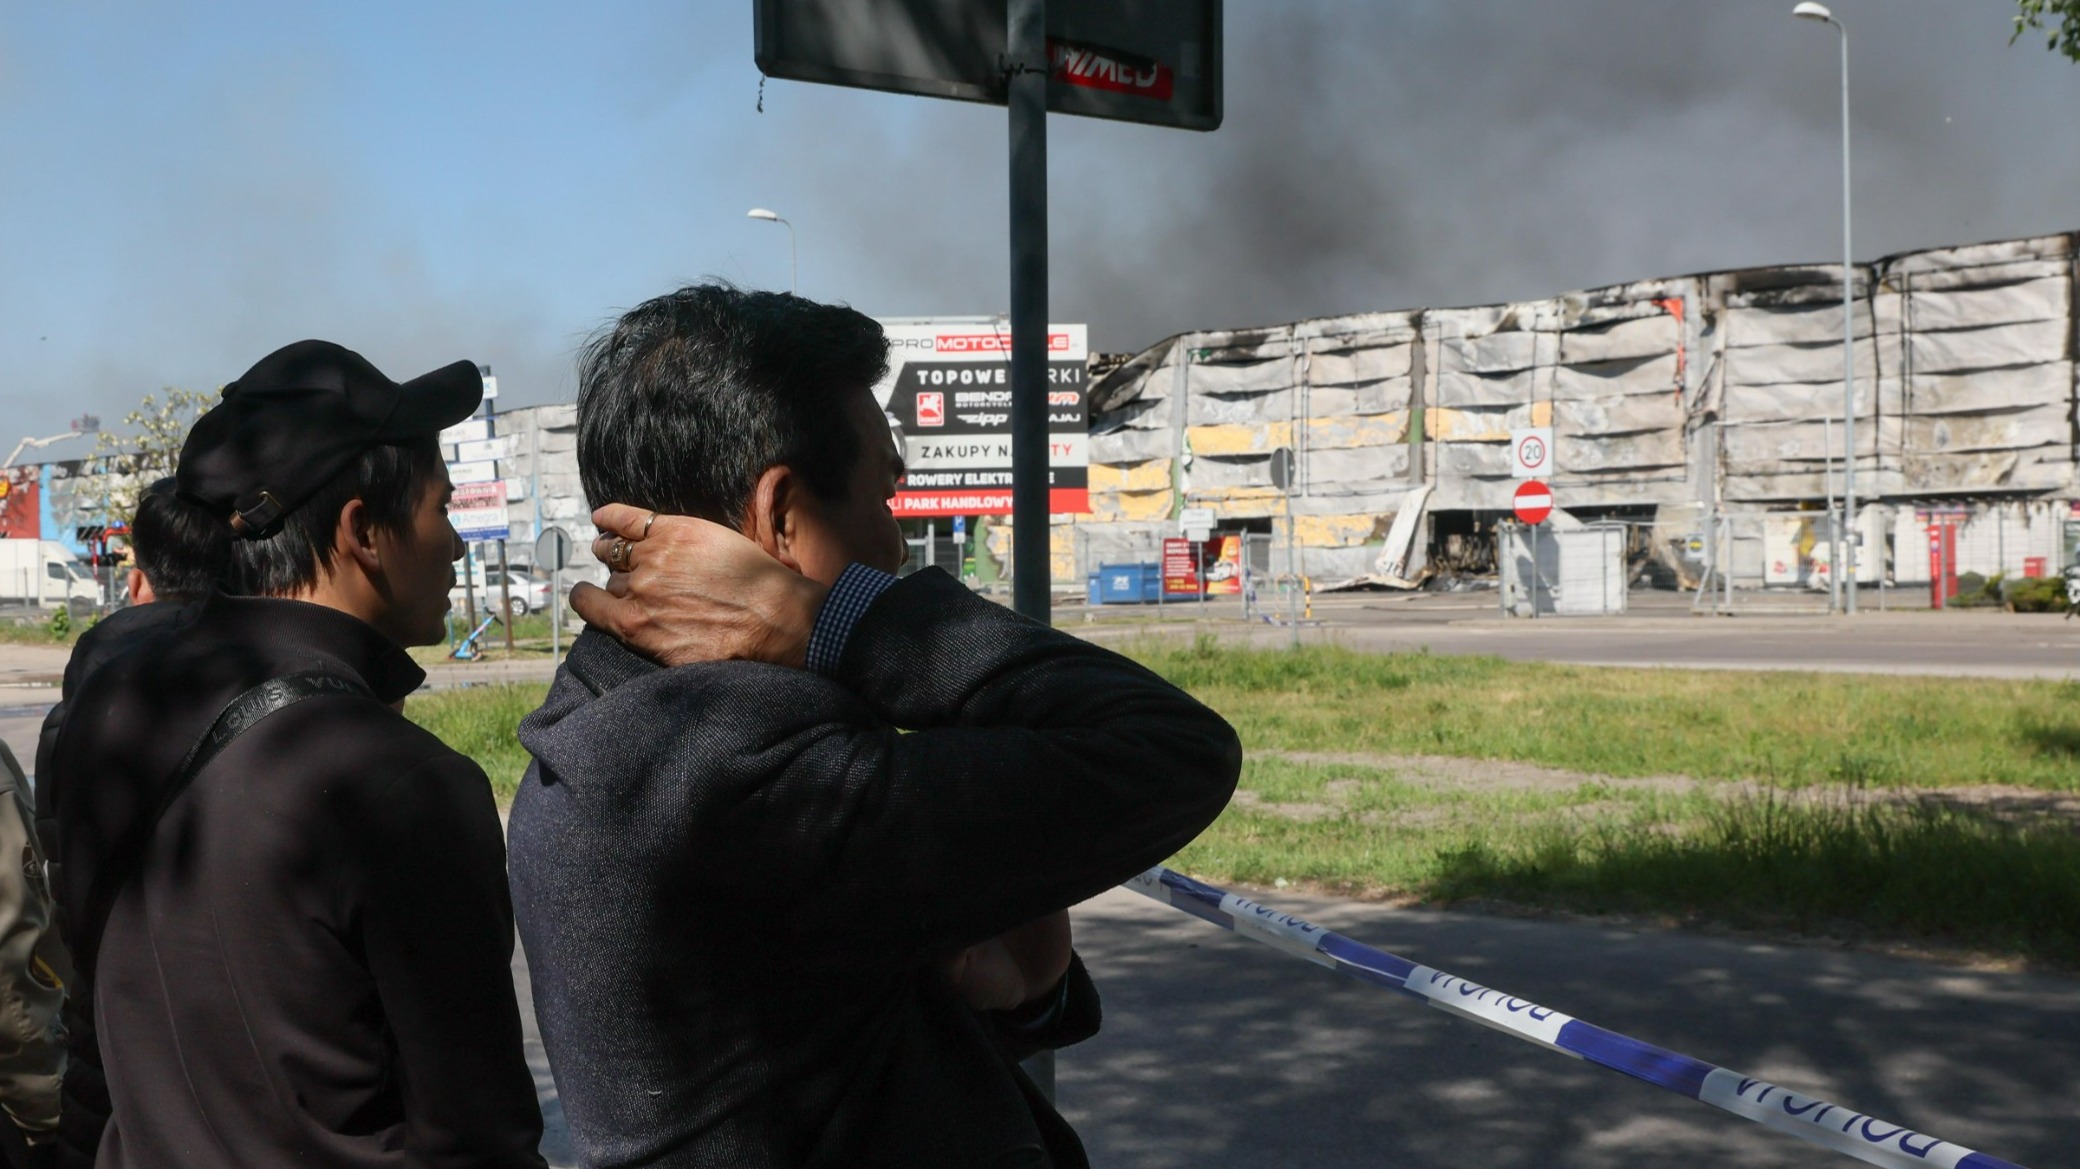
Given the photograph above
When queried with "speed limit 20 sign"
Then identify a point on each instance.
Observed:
(1530, 452)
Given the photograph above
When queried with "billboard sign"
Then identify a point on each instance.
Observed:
(478, 510)
(1156, 62)
(21, 505)
(1180, 567)
(949, 390)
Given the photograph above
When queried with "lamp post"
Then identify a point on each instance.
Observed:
(1845, 572)
(772, 217)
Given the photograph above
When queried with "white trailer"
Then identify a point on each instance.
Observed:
(44, 574)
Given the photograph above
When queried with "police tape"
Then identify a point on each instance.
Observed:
(1829, 1125)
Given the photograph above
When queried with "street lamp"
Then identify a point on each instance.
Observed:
(762, 213)
(1846, 573)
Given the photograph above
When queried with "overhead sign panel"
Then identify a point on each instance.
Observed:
(949, 390)
(1152, 61)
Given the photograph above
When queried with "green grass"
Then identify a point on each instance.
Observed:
(481, 722)
(1792, 729)
(1822, 823)
(38, 631)
(1917, 871)
(1852, 862)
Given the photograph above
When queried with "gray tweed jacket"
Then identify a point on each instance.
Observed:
(733, 880)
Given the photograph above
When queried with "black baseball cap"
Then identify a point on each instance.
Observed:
(302, 415)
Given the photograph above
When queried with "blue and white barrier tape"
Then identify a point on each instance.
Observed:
(1829, 1125)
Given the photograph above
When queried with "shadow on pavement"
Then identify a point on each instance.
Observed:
(1220, 1052)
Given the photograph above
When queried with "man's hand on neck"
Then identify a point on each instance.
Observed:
(696, 591)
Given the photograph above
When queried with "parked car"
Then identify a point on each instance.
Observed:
(528, 595)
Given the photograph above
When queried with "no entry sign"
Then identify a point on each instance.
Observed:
(1534, 501)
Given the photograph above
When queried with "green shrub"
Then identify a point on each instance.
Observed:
(2044, 594)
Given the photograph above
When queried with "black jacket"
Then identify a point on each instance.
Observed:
(733, 880)
(312, 965)
(84, 1110)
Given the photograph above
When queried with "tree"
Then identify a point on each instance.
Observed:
(2064, 34)
(123, 466)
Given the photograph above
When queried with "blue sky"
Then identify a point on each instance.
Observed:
(186, 186)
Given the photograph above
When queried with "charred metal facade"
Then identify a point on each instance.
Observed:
(1672, 401)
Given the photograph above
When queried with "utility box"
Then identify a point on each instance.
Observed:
(1592, 571)
(1576, 572)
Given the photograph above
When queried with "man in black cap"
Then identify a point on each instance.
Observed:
(287, 901)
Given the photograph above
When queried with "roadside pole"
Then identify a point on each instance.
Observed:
(1026, 84)
(1534, 570)
(505, 583)
(1292, 578)
(1026, 92)
(505, 594)
(552, 550)
(1282, 470)
(469, 586)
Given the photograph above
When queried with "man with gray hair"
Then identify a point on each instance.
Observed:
(793, 862)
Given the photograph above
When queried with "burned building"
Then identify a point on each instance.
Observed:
(1704, 410)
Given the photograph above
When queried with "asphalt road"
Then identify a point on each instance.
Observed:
(1219, 1053)
(1660, 630)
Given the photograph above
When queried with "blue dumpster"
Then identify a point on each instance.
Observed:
(1129, 584)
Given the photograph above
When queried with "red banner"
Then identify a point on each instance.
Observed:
(989, 501)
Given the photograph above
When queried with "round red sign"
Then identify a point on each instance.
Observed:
(1534, 501)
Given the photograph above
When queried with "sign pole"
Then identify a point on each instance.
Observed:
(552, 550)
(469, 584)
(1534, 572)
(1502, 579)
(1026, 86)
(1025, 63)
(505, 594)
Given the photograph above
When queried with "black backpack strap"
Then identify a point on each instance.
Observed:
(238, 716)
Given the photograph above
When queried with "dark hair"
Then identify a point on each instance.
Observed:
(691, 396)
(388, 480)
(184, 551)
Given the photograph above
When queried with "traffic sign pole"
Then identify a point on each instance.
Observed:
(1534, 571)
(1533, 503)
(552, 549)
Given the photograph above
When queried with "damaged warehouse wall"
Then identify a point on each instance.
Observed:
(1670, 400)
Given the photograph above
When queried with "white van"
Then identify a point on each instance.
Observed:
(44, 574)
